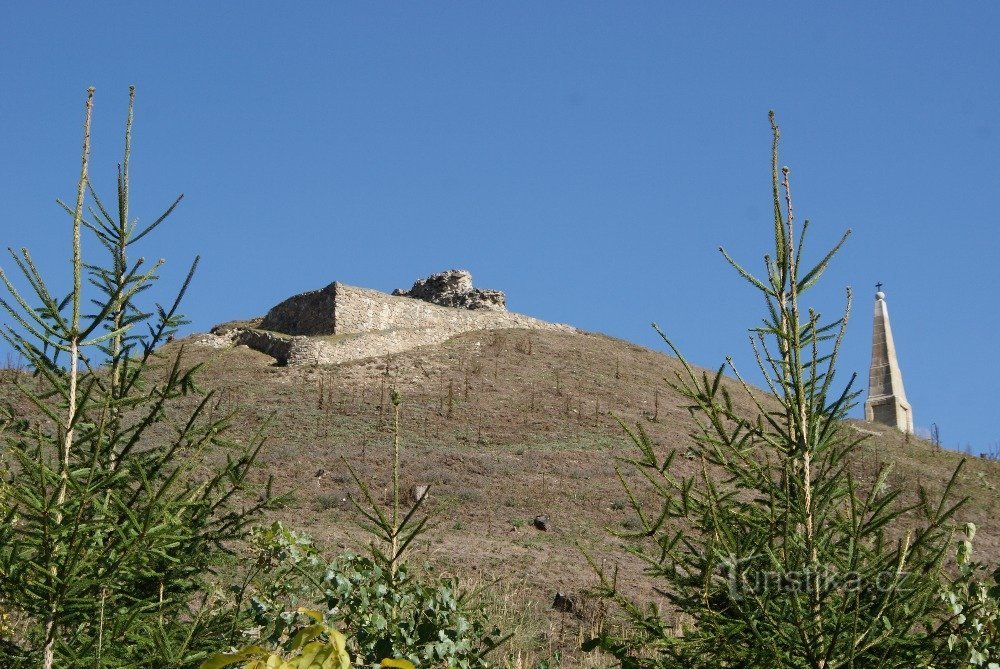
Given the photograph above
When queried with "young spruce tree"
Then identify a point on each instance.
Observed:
(115, 500)
(774, 551)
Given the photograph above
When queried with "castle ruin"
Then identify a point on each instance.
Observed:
(340, 323)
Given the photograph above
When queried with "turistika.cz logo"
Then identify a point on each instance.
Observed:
(746, 577)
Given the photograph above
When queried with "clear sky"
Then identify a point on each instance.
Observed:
(587, 158)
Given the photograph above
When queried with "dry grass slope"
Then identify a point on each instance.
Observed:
(506, 425)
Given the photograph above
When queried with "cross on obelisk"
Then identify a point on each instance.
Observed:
(878, 287)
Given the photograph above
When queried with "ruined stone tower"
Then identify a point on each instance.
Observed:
(886, 401)
(341, 323)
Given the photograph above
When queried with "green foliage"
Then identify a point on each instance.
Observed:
(428, 621)
(113, 508)
(773, 553)
(403, 615)
(973, 600)
(282, 576)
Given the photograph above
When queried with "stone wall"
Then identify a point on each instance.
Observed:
(308, 314)
(268, 343)
(311, 351)
(364, 310)
(341, 323)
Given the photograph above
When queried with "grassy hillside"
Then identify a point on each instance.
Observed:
(505, 426)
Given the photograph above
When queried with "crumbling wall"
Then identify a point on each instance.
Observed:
(363, 310)
(454, 288)
(341, 323)
(311, 351)
(268, 343)
(308, 314)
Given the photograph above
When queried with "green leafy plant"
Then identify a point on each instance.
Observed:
(114, 508)
(773, 553)
(423, 620)
(973, 600)
(428, 621)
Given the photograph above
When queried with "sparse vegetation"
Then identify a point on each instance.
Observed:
(485, 486)
(385, 607)
(514, 440)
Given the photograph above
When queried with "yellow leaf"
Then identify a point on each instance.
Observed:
(306, 635)
(398, 664)
(312, 613)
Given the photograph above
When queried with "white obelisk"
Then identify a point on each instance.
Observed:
(886, 401)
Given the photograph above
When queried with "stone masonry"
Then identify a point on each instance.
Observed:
(454, 289)
(310, 313)
(340, 323)
(886, 401)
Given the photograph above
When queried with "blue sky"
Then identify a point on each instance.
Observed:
(587, 158)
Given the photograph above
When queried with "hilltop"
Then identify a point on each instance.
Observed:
(504, 422)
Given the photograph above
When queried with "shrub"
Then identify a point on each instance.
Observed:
(973, 600)
(429, 623)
